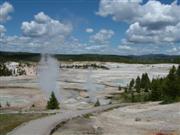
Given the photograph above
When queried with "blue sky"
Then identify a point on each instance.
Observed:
(120, 27)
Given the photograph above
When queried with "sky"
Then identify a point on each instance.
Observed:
(120, 27)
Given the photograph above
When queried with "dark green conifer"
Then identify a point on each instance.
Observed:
(131, 85)
(53, 102)
(137, 86)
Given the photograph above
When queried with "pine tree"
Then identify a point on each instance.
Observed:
(156, 92)
(171, 89)
(132, 97)
(137, 86)
(4, 71)
(178, 80)
(8, 104)
(172, 73)
(97, 103)
(143, 79)
(131, 85)
(178, 71)
(53, 102)
(145, 82)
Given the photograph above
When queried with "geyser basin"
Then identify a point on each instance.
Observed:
(13, 100)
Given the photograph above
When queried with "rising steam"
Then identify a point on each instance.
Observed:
(90, 86)
(48, 75)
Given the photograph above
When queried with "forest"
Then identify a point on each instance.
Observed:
(165, 89)
(142, 59)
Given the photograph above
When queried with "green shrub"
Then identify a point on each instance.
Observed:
(53, 102)
(4, 71)
(97, 103)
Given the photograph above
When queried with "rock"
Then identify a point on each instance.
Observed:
(104, 101)
(83, 94)
(137, 119)
(99, 131)
(70, 101)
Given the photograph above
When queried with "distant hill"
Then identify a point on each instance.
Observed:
(144, 59)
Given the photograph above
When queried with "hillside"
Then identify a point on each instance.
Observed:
(144, 59)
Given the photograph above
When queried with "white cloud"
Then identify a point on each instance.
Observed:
(152, 22)
(173, 50)
(102, 37)
(42, 18)
(124, 47)
(2, 31)
(139, 34)
(44, 26)
(43, 33)
(89, 30)
(123, 10)
(5, 9)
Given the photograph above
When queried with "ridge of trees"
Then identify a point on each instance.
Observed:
(165, 89)
(144, 59)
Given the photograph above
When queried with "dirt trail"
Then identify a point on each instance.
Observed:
(44, 126)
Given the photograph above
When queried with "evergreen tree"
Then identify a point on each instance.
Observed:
(8, 104)
(178, 80)
(178, 71)
(170, 83)
(53, 102)
(4, 71)
(145, 82)
(172, 73)
(131, 85)
(97, 103)
(142, 84)
(166, 89)
(156, 93)
(132, 97)
(137, 86)
(148, 82)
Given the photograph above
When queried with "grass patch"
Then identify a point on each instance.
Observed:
(87, 116)
(10, 121)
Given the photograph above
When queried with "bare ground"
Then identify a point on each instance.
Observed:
(139, 119)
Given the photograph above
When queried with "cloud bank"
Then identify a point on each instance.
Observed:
(5, 9)
(152, 22)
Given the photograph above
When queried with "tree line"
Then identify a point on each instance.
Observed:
(165, 89)
(143, 59)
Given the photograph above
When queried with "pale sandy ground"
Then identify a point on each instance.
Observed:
(45, 125)
(139, 119)
(23, 91)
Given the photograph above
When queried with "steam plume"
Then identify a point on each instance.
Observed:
(48, 75)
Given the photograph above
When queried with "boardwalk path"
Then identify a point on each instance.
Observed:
(44, 126)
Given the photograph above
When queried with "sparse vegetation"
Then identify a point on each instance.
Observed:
(87, 116)
(8, 104)
(10, 121)
(33, 105)
(53, 102)
(97, 103)
(20, 69)
(85, 66)
(4, 71)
